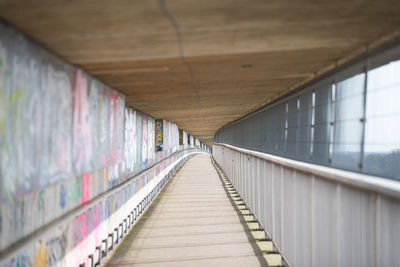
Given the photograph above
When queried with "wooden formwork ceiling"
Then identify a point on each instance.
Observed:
(204, 63)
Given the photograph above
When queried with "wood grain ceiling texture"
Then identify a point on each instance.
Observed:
(202, 64)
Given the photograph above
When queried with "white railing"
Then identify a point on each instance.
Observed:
(318, 216)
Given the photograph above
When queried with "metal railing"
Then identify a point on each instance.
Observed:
(316, 215)
(347, 119)
(95, 245)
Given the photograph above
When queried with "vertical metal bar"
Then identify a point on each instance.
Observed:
(298, 124)
(377, 216)
(259, 188)
(286, 126)
(273, 198)
(112, 241)
(117, 236)
(312, 232)
(90, 258)
(364, 119)
(312, 124)
(105, 252)
(339, 234)
(332, 118)
(98, 248)
(294, 215)
(282, 207)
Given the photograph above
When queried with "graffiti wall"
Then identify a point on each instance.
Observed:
(70, 243)
(170, 136)
(61, 136)
(66, 138)
(159, 135)
(191, 141)
(183, 138)
(139, 142)
(151, 148)
(130, 141)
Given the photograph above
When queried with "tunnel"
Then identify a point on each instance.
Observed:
(199, 133)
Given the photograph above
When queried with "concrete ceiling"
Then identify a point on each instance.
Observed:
(203, 63)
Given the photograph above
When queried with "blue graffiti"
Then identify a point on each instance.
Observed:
(63, 196)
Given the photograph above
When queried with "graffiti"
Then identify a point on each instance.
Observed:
(151, 140)
(144, 142)
(82, 145)
(191, 140)
(159, 135)
(41, 256)
(56, 163)
(107, 208)
(183, 138)
(26, 73)
(78, 229)
(74, 190)
(1, 222)
(98, 108)
(1, 90)
(63, 196)
(107, 125)
(22, 260)
(85, 188)
(170, 136)
(119, 127)
(56, 249)
(9, 154)
(130, 140)
(65, 138)
(116, 118)
(41, 202)
(32, 154)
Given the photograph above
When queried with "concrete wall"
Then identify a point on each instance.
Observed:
(65, 138)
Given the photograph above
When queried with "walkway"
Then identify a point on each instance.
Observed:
(191, 223)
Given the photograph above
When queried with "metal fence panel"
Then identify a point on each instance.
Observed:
(348, 120)
(288, 191)
(316, 220)
(277, 206)
(302, 220)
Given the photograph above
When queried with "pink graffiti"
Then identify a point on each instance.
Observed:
(85, 196)
(83, 226)
(96, 222)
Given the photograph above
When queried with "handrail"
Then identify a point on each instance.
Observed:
(15, 248)
(379, 185)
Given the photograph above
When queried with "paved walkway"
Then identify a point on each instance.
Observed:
(191, 223)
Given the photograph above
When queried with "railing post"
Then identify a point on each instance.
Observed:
(105, 251)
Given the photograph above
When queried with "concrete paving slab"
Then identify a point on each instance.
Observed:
(192, 222)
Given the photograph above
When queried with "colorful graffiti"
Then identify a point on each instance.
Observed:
(139, 141)
(151, 140)
(148, 140)
(130, 140)
(170, 136)
(159, 135)
(183, 138)
(53, 124)
(66, 138)
(56, 164)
